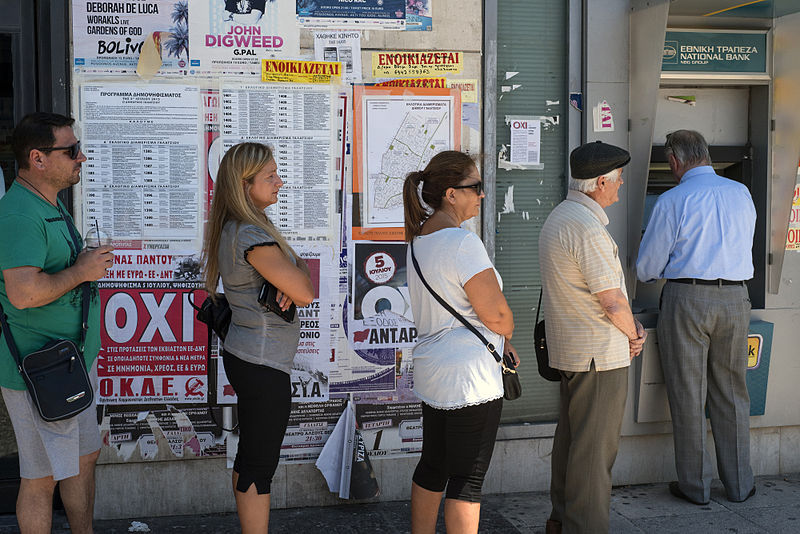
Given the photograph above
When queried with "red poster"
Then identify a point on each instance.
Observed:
(153, 348)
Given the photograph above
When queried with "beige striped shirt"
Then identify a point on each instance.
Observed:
(578, 259)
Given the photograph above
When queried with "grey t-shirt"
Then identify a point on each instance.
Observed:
(256, 335)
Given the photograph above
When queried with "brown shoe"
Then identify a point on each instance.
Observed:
(552, 527)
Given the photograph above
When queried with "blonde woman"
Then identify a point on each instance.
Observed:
(244, 248)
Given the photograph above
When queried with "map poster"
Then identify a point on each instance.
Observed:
(381, 311)
(397, 131)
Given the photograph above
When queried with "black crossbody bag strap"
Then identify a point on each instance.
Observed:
(86, 294)
(538, 306)
(489, 346)
(12, 346)
(86, 288)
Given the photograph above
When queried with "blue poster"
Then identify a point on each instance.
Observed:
(345, 14)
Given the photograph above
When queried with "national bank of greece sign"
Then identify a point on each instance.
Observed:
(715, 52)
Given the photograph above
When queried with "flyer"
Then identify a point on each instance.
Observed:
(288, 71)
(299, 123)
(169, 433)
(342, 46)
(390, 429)
(234, 36)
(381, 311)
(407, 64)
(360, 370)
(141, 182)
(526, 134)
(419, 15)
(397, 131)
(153, 350)
(111, 34)
(349, 15)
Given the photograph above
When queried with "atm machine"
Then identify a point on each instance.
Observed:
(732, 111)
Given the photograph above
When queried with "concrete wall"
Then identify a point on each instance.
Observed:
(521, 460)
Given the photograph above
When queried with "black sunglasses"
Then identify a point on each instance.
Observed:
(477, 186)
(74, 150)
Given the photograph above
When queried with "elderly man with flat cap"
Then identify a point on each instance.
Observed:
(591, 336)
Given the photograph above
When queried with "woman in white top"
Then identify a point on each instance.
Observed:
(458, 380)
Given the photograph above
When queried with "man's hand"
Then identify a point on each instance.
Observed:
(92, 264)
(637, 344)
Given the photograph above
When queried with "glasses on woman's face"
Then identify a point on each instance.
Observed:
(477, 186)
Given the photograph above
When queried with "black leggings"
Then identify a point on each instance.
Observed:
(265, 399)
(457, 446)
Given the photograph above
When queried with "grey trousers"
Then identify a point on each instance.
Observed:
(585, 447)
(702, 337)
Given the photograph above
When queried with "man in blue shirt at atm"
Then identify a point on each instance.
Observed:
(700, 239)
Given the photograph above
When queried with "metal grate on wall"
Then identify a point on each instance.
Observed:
(531, 81)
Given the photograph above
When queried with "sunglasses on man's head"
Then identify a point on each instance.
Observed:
(74, 150)
(477, 186)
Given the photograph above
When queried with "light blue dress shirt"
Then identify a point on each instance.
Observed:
(702, 228)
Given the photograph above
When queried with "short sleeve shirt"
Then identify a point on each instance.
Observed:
(256, 335)
(34, 233)
(452, 368)
(578, 259)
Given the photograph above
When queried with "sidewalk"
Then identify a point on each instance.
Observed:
(634, 509)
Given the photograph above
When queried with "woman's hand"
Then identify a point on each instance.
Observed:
(292, 282)
(509, 349)
(283, 300)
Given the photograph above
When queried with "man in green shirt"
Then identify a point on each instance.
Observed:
(41, 272)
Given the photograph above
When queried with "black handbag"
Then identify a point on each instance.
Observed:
(512, 389)
(214, 312)
(540, 346)
(56, 374)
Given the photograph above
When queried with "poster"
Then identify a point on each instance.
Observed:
(468, 88)
(406, 64)
(168, 433)
(287, 71)
(231, 36)
(397, 131)
(349, 15)
(390, 429)
(111, 34)
(793, 235)
(419, 15)
(341, 46)
(526, 136)
(141, 181)
(153, 350)
(299, 123)
(381, 310)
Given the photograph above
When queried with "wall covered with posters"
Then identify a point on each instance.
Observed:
(161, 89)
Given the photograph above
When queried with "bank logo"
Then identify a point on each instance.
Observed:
(670, 54)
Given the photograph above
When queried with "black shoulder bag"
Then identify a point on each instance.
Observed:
(56, 374)
(511, 386)
(540, 346)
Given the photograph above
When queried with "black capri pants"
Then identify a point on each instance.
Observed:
(457, 446)
(265, 399)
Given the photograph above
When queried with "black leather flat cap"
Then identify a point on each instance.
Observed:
(596, 159)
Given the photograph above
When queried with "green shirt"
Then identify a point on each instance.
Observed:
(34, 233)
